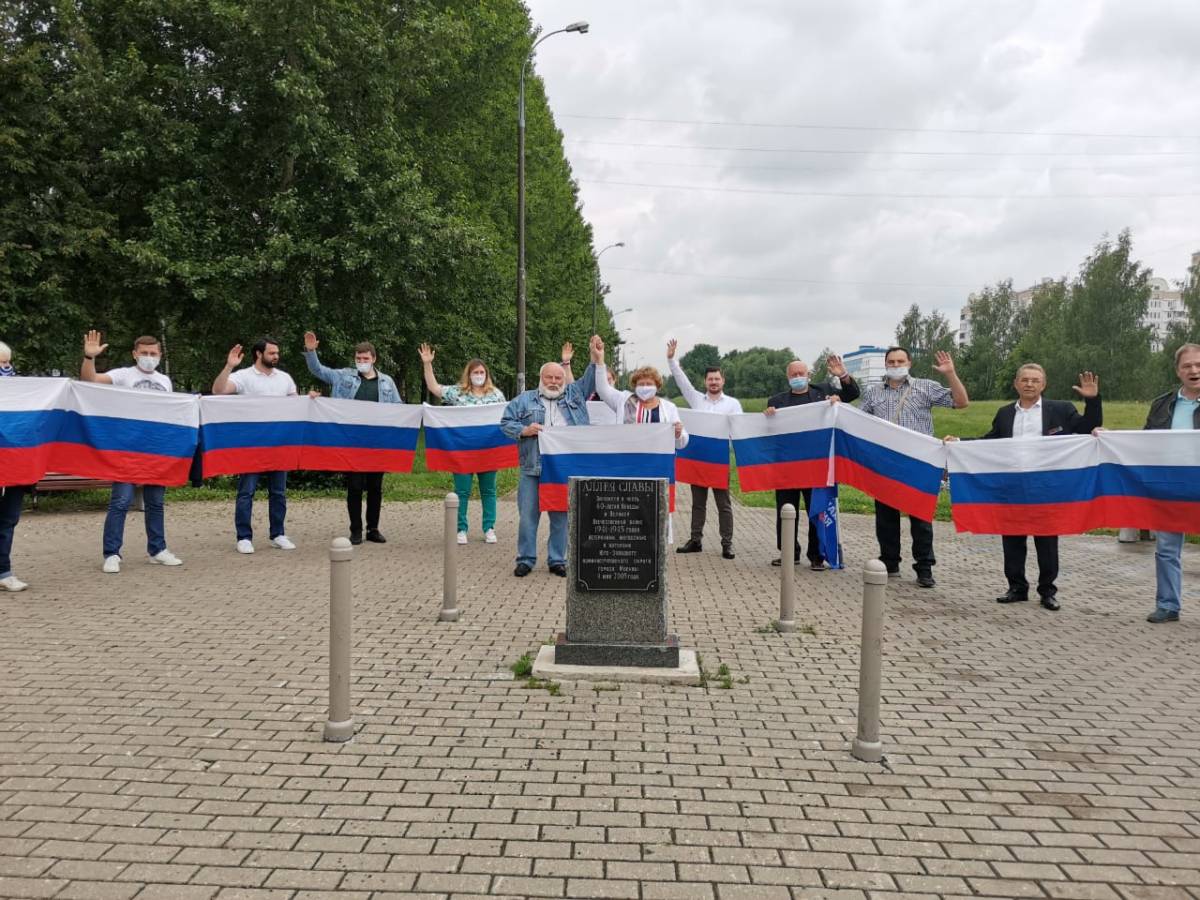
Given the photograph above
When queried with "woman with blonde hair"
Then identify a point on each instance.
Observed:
(474, 388)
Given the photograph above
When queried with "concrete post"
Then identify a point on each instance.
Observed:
(449, 611)
(1128, 535)
(787, 570)
(340, 725)
(867, 746)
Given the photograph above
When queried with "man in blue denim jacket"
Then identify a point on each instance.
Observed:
(362, 382)
(552, 404)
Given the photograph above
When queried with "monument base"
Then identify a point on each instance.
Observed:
(686, 673)
(606, 653)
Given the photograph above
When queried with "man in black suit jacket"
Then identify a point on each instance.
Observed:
(1033, 416)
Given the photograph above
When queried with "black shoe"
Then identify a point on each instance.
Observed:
(1163, 615)
(692, 546)
(522, 570)
(893, 573)
(560, 570)
(727, 552)
(375, 537)
(779, 561)
(817, 565)
(356, 537)
(1051, 603)
(1013, 597)
(925, 579)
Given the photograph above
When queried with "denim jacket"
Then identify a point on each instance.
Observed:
(527, 408)
(345, 382)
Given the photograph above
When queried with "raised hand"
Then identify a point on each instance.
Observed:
(596, 345)
(835, 367)
(671, 345)
(426, 353)
(235, 357)
(1088, 387)
(568, 352)
(310, 341)
(945, 363)
(91, 344)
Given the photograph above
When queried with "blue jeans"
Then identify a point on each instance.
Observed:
(276, 497)
(527, 529)
(1168, 569)
(118, 506)
(10, 514)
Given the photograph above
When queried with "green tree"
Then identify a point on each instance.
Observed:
(924, 335)
(820, 369)
(757, 372)
(997, 322)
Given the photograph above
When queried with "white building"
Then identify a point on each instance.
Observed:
(1164, 309)
(1023, 298)
(865, 365)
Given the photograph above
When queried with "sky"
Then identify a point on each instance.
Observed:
(794, 173)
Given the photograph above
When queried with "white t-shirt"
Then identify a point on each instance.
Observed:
(252, 382)
(133, 377)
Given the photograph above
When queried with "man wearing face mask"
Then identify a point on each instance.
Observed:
(908, 402)
(362, 382)
(801, 391)
(552, 404)
(144, 376)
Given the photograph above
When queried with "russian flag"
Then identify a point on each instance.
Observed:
(467, 439)
(355, 436)
(791, 449)
(896, 466)
(705, 460)
(600, 413)
(1150, 479)
(32, 411)
(610, 451)
(243, 434)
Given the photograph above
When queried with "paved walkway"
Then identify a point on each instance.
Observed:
(160, 730)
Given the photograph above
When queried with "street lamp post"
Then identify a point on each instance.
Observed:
(596, 281)
(581, 28)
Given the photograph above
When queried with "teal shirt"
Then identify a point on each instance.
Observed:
(1185, 412)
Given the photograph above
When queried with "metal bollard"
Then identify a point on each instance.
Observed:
(866, 745)
(449, 611)
(340, 725)
(787, 570)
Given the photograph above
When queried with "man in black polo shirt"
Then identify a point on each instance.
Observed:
(799, 392)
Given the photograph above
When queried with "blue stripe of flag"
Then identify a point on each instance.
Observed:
(31, 429)
(791, 447)
(235, 435)
(706, 449)
(558, 467)
(466, 437)
(1180, 483)
(888, 463)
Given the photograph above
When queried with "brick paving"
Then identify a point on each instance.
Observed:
(161, 730)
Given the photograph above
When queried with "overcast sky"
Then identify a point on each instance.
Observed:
(797, 173)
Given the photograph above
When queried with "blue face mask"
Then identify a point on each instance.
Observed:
(798, 384)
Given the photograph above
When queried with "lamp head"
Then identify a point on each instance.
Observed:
(619, 244)
(581, 27)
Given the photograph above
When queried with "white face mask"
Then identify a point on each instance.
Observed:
(147, 363)
(645, 391)
(550, 393)
(363, 368)
(896, 372)
(479, 379)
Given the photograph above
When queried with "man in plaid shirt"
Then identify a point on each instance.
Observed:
(908, 402)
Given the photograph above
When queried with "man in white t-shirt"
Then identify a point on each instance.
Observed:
(144, 376)
(262, 379)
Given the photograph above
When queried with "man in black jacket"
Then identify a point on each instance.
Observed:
(801, 391)
(1033, 416)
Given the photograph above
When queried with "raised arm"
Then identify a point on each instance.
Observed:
(849, 391)
(568, 353)
(324, 373)
(431, 382)
(221, 384)
(690, 394)
(958, 390)
(91, 349)
(1093, 412)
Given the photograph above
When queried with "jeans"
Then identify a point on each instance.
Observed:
(276, 493)
(887, 532)
(792, 496)
(1016, 547)
(700, 513)
(527, 529)
(487, 498)
(118, 506)
(356, 483)
(10, 514)
(1168, 569)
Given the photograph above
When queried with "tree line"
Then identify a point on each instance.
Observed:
(213, 171)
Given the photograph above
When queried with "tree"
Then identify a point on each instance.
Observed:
(997, 322)
(757, 372)
(696, 360)
(820, 369)
(924, 335)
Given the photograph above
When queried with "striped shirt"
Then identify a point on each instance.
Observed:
(919, 396)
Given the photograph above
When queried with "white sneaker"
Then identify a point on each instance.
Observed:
(166, 558)
(12, 583)
(245, 547)
(112, 564)
(462, 537)
(489, 536)
(282, 543)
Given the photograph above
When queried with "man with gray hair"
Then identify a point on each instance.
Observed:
(552, 404)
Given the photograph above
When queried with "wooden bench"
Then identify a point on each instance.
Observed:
(54, 481)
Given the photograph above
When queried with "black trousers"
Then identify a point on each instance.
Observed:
(792, 496)
(1015, 549)
(887, 532)
(356, 483)
(700, 513)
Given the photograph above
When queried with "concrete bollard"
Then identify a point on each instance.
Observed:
(1128, 535)
(340, 725)
(449, 611)
(867, 746)
(787, 569)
